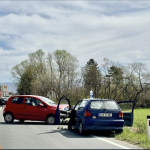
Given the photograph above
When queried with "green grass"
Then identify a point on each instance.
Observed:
(138, 133)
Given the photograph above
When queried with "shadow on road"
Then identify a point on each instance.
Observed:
(27, 123)
(74, 133)
(68, 133)
(24, 123)
(65, 132)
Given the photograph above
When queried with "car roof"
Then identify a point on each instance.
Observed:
(36, 96)
(94, 99)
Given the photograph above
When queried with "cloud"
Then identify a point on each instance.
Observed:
(87, 29)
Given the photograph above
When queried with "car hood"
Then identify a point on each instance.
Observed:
(61, 106)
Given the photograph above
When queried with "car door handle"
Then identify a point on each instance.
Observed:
(24, 107)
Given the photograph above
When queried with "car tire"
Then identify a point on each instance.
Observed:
(21, 121)
(69, 127)
(81, 128)
(119, 131)
(9, 118)
(50, 119)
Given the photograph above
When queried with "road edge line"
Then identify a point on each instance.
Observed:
(111, 142)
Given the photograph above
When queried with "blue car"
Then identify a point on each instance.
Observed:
(96, 114)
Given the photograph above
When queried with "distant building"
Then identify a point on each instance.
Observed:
(0, 92)
(3, 91)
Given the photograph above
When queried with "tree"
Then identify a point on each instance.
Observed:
(22, 77)
(138, 80)
(92, 77)
(37, 63)
(28, 71)
(24, 86)
(63, 68)
(18, 70)
(53, 77)
(112, 81)
(116, 74)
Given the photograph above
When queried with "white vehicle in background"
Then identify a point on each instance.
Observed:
(6, 97)
(3, 101)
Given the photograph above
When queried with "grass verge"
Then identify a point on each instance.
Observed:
(138, 133)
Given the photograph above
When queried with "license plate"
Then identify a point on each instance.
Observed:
(105, 114)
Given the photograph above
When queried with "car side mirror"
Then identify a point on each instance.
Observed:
(41, 105)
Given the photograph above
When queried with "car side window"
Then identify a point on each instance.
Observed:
(32, 101)
(78, 105)
(83, 103)
(17, 100)
(39, 102)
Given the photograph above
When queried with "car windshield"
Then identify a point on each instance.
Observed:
(47, 101)
(103, 105)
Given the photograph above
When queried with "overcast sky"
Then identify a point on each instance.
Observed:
(118, 30)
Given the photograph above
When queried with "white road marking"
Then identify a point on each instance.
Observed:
(1, 108)
(111, 142)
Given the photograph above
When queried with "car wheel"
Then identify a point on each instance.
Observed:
(119, 131)
(69, 127)
(9, 118)
(81, 128)
(50, 119)
(21, 121)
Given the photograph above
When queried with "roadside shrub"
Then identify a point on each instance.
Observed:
(140, 120)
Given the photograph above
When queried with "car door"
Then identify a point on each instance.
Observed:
(72, 120)
(127, 109)
(33, 111)
(39, 110)
(17, 107)
(59, 113)
(78, 112)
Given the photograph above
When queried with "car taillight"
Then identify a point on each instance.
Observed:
(87, 113)
(120, 114)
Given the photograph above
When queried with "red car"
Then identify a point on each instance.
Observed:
(31, 107)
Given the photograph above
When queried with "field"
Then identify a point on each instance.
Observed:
(138, 133)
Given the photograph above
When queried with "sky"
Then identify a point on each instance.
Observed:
(118, 30)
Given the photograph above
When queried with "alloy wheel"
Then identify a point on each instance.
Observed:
(8, 118)
(80, 128)
(51, 120)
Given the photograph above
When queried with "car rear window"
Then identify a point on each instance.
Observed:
(103, 105)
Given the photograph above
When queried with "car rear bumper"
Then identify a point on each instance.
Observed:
(103, 125)
(97, 127)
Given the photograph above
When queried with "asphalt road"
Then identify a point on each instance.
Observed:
(38, 135)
